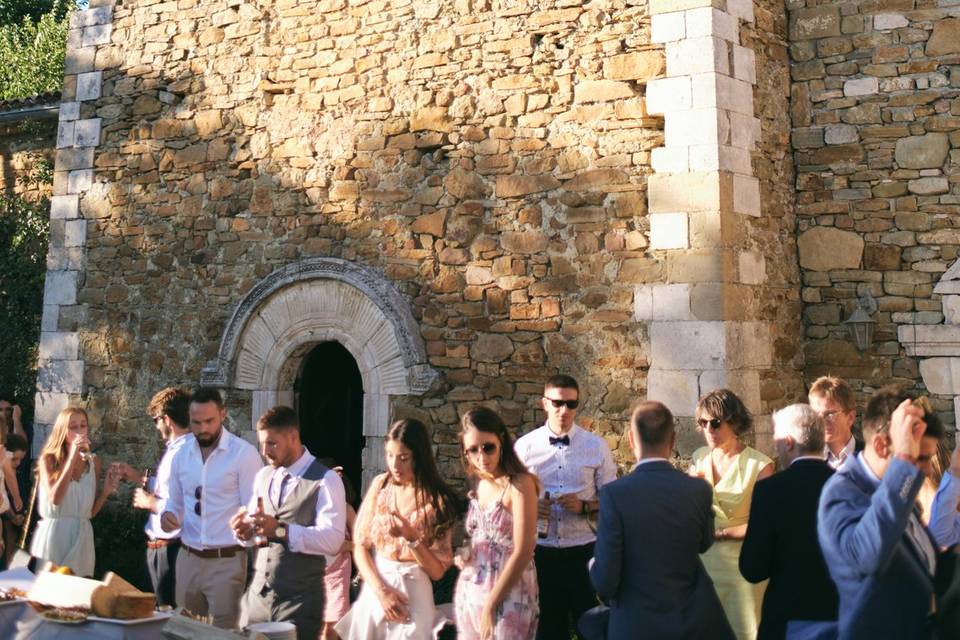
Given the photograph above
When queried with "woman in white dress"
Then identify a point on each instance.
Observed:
(67, 495)
(402, 541)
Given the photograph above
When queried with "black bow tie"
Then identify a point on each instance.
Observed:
(564, 440)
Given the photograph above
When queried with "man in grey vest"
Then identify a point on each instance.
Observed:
(303, 518)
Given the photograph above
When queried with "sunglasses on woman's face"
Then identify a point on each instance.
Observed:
(571, 404)
(713, 423)
(488, 449)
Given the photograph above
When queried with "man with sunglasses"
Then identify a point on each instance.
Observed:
(211, 477)
(169, 411)
(833, 399)
(572, 465)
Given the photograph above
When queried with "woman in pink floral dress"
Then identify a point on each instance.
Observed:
(496, 596)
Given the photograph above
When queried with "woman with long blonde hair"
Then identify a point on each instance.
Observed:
(67, 495)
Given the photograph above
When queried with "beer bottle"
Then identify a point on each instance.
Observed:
(543, 522)
(260, 540)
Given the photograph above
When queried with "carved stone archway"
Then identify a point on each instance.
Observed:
(318, 300)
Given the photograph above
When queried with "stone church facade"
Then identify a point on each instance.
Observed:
(372, 210)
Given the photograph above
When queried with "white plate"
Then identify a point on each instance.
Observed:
(157, 615)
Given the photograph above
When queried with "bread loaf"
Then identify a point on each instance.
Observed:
(131, 605)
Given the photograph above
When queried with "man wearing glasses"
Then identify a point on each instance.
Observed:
(833, 399)
(169, 411)
(572, 465)
(210, 479)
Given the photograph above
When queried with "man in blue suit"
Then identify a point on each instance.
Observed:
(879, 554)
(653, 525)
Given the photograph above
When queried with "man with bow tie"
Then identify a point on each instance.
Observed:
(572, 465)
(303, 519)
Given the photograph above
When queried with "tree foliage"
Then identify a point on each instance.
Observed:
(33, 40)
(23, 251)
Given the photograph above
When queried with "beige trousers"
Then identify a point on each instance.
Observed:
(212, 586)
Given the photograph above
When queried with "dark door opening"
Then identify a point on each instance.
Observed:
(330, 397)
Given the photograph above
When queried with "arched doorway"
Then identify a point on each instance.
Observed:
(329, 394)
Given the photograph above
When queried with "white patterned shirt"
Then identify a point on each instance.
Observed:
(224, 483)
(837, 461)
(161, 487)
(581, 467)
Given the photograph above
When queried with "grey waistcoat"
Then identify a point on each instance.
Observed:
(278, 569)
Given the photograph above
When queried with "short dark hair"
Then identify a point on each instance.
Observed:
(561, 381)
(726, 406)
(203, 395)
(281, 418)
(935, 428)
(880, 408)
(172, 402)
(653, 423)
(4, 395)
(16, 442)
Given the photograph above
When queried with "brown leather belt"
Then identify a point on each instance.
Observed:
(219, 552)
(160, 543)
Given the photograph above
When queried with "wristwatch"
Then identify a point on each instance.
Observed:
(281, 532)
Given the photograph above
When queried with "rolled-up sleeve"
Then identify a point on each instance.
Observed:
(325, 536)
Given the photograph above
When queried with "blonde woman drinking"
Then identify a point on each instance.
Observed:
(67, 496)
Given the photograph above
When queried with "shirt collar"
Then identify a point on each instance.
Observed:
(817, 458)
(299, 467)
(646, 460)
(550, 434)
(179, 441)
(866, 467)
(848, 450)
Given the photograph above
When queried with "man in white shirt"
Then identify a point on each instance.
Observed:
(572, 465)
(833, 399)
(210, 478)
(170, 411)
(304, 518)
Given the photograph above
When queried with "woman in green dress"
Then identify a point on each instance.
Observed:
(732, 469)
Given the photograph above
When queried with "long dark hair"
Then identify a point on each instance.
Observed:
(430, 487)
(489, 421)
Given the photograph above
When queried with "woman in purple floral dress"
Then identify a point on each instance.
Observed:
(496, 596)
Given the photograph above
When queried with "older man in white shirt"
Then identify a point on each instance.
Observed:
(572, 465)
(303, 518)
(210, 479)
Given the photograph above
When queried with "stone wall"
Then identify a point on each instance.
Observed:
(876, 118)
(491, 159)
(22, 145)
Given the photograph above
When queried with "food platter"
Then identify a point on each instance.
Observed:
(157, 615)
(63, 615)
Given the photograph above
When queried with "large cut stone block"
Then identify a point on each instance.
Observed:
(815, 22)
(64, 376)
(715, 90)
(662, 302)
(60, 287)
(745, 383)
(667, 27)
(688, 345)
(58, 345)
(697, 127)
(710, 21)
(922, 152)
(930, 340)
(47, 405)
(698, 55)
(668, 95)
(945, 38)
(941, 375)
(669, 6)
(688, 192)
(746, 195)
(826, 248)
(638, 65)
(679, 390)
(670, 160)
(669, 231)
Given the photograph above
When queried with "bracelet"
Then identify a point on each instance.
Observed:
(583, 508)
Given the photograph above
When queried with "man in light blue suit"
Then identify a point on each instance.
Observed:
(654, 524)
(878, 552)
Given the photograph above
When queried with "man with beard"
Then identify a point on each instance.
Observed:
(303, 518)
(210, 479)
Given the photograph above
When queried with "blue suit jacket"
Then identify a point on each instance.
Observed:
(884, 584)
(653, 525)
